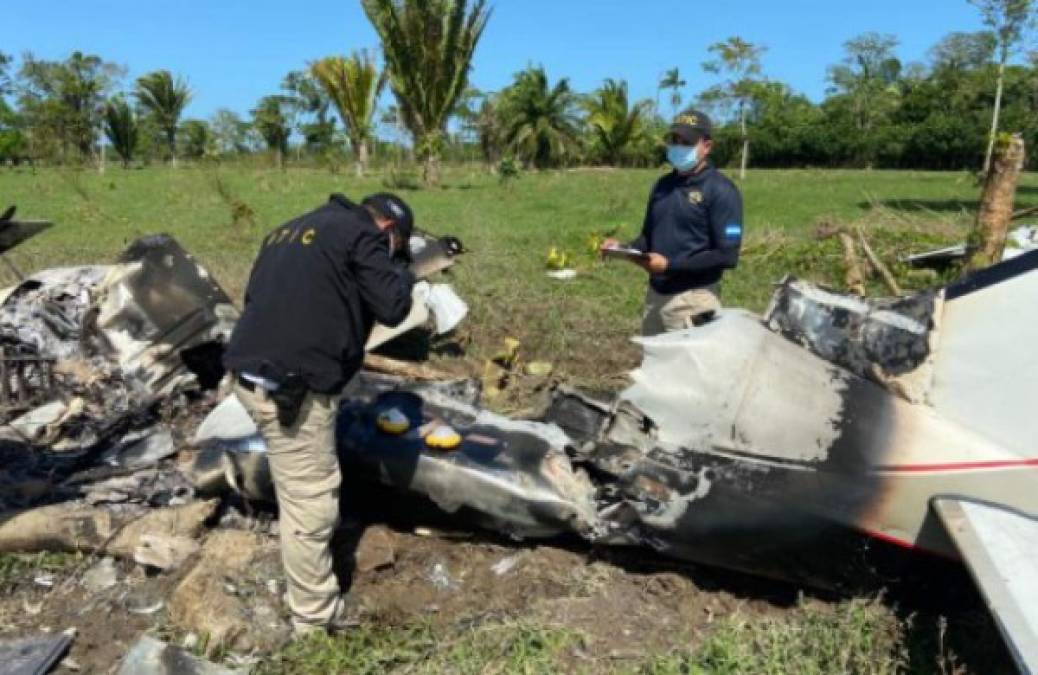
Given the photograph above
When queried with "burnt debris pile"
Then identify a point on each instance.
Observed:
(107, 376)
(104, 369)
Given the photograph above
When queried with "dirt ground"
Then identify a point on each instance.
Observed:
(625, 605)
(621, 612)
(442, 577)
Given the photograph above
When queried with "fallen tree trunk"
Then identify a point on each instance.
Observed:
(877, 264)
(77, 528)
(416, 371)
(988, 240)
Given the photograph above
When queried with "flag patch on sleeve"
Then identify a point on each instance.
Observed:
(733, 232)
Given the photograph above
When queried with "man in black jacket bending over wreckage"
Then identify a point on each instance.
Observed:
(316, 289)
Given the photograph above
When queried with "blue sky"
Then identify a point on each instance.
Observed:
(235, 51)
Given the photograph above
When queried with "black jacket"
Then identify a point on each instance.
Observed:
(695, 221)
(317, 287)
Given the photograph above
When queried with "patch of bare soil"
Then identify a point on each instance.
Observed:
(618, 608)
(106, 620)
(398, 577)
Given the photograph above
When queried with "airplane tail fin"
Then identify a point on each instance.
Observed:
(985, 372)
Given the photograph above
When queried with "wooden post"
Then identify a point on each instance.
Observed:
(854, 278)
(988, 239)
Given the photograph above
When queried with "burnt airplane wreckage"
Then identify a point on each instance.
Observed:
(737, 445)
(834, 441)
(105, 369)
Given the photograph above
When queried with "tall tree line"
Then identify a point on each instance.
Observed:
(878, 111)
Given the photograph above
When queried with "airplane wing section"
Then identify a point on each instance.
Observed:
(1000, 548)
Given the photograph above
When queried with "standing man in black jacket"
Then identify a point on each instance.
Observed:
(692, 231)
(316, 289)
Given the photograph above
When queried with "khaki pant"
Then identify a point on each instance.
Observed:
(306, 475)
(665, 313)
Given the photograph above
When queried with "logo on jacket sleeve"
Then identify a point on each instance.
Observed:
(733, 232)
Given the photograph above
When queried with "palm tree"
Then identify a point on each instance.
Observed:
(165, 98)
(616, 126)
(489, 129)
(272, 118)
(539, 122)
(121, 128)
(428, 46)
(353, 84)
(672, 80)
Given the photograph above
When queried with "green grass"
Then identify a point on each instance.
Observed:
(17, 568)
(582, 326)
(856, 636)
(512, 647)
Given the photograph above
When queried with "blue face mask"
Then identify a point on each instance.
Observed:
(683, 157)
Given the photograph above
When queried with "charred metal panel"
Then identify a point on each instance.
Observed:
(879, 339)
(582, 417)
(515, 479)
(33, 655)
(734, 513)
(48, 309)
(157, 304)
(514, 476)
(14, 232)
(170, 286)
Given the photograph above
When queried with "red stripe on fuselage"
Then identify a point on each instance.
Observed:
(907, 545)
(890, 539)
(957, 466)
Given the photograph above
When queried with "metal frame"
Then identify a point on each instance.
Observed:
(25, 380)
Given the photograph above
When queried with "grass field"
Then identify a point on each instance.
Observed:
(582, 326)
(221, 213)
(806, 640)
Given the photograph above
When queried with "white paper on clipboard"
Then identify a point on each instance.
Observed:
(625, 253)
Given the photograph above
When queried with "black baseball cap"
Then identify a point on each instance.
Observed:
(690, 126)
(389, 205)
